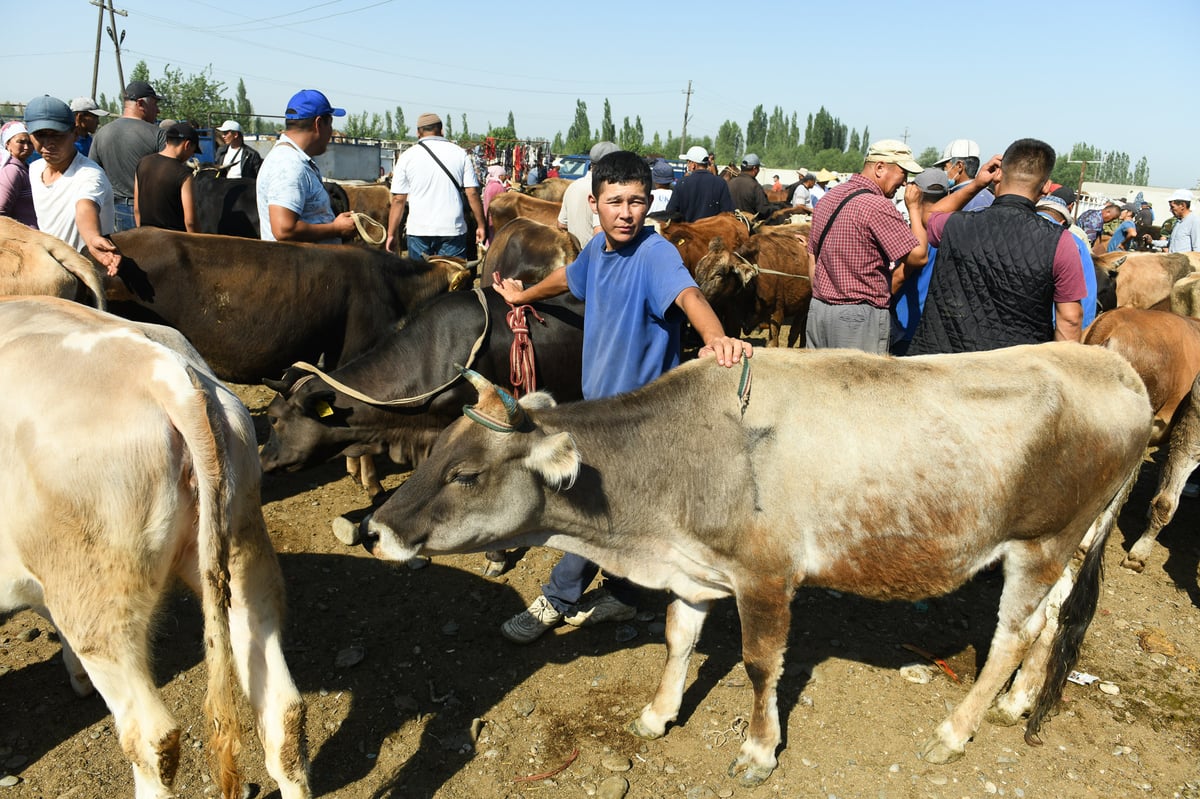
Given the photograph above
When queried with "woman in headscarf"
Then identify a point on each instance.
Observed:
(495, 185)
(16, 196)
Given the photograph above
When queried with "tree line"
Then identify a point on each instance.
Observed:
(825, 142)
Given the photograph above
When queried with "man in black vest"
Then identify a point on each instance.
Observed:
(1005, 276)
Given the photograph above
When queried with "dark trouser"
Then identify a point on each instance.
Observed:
(449, 246)
(571, 577)
(124, 215)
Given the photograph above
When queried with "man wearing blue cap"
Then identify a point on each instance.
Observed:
(293, 205)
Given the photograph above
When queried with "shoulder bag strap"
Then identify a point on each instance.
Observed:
(438, 161)
(833, 217)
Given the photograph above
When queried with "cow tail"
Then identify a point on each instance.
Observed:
(207, 439)
(1076, 614)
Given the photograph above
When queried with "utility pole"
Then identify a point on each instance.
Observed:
(116, 36)
(96, 62)
(906, 134)
(1082, 170)
(686, 104)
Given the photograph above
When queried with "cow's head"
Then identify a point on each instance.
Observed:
(306, 423)
(485, 481)
(722, 272)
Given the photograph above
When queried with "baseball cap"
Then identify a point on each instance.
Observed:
(696, 154)
(428, 120)
(957, 149)
(182, 131)
(309, 104)
(48, 113)
(138, 89)
(1065, 193)
(1130, 207)
(662, 172)
(751, 160)
(1052, 202)
(229, 125)
(1180, 196)
(891, 151)
(933, 181)
(81, 104)
(601, 149)
(808, 176)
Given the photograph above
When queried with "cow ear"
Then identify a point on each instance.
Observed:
(717, 244)
(319, 403)
(555, 459)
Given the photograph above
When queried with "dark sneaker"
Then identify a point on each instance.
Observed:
(528, 625)
(597, 607)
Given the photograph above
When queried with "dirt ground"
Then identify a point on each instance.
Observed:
(441, 705)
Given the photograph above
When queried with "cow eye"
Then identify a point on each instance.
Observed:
(464, 478)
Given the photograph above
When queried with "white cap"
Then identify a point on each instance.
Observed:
(1180, 196)
(958, 149)
(697, 154)
(81, 104)
(229, 125)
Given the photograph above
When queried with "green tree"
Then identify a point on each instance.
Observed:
(855, 143)
(756, 129)
(729, 143)
(608, 131)
(241, 102)
(1141, 173)
(449, 130)
(196, 97)
(512, 125)
(928, 156)
(579, 135)
(401, 125)
(632, 137)
(557, 145)
(866, 140)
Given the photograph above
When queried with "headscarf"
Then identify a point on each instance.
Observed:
(495, 172)
(9, 130)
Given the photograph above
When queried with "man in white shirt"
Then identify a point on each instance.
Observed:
(235, 158)
(431, 175)
(1185, 236)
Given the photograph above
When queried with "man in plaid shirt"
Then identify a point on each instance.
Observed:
(857, 236)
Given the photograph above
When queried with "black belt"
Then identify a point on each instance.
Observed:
(119, 201)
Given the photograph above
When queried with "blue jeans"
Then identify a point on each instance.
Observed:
(449, 246)
(573, 574)
(124, 216)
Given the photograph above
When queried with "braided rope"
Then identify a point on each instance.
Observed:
(522, 372)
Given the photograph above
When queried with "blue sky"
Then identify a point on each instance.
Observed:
(1107, 73)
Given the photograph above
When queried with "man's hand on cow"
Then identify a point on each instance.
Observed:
(727, 350)
(508, 288)
(105, 253)
(989, 173)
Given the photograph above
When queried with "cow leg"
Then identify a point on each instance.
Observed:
(111, 643)
(684, 622)
(1182, 458)
(256, 611)
(766, 614)
(1018, 701)
(81, 683)
(1022, 616)
(362, 470)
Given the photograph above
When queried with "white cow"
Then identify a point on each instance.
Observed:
(127, 463)
(32, 262)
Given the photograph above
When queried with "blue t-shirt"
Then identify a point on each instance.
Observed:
(631, 327)
(1118, 236)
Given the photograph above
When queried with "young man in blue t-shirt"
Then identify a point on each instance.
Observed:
(638, 293)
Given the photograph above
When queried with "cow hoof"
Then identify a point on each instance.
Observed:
(493, 568)
(1133, 564)
(1001, 718)
(347, 531)
(640, 730)
(752, 776)
(938, 753)
(81, 684)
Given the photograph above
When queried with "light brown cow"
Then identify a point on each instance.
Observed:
(550, 189)
(1164, 349)
(1185, 296)
(692, 238)
(527, 250)
(783, 486)
(1144, 280)
(506, 207)
(107, 502)
(372, 199)
(36, 263)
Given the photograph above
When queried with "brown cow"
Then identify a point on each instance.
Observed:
(550, 189)
(1144, 280)
(1164, 349)
(765, 280)
(508, 206)
(32, 262)
(527, 250)
(692, 238)
(371, 199)
(1185, 296)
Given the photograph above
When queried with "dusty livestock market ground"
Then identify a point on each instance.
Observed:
(412, 692)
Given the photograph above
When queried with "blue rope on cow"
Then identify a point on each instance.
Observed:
(744, 385)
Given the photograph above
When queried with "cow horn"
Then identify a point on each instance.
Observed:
(496, 408)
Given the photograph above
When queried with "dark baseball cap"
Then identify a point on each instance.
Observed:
(48, 113)
(182, 131)
(139, 90)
